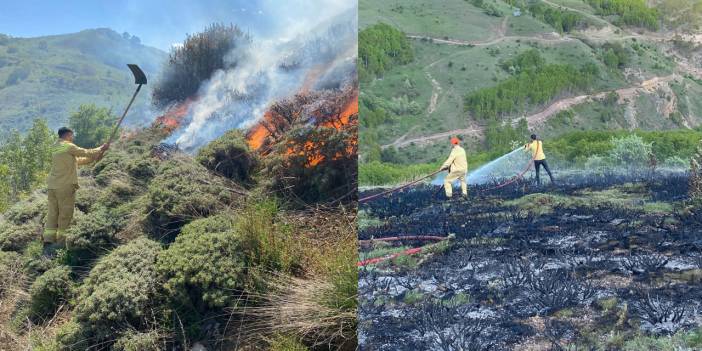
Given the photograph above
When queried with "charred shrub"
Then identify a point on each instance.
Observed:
(180, 193)
(199, 57)
(662, 313)
(448, 327)
(556, 289)
(49, 291)
(121, 290)
(16, 237)
(645, 262)
(230, 156)
(205, 262)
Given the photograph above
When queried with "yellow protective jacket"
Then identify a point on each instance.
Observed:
(536, 148)
(65, 158)
(457, 160)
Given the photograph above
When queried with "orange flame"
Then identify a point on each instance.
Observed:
(171, 120)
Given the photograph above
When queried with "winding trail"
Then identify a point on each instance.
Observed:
(542, 116)
(684, 66)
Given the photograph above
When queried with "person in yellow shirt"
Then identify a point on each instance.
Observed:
(536, 148)
(457, 165)
(62, 184)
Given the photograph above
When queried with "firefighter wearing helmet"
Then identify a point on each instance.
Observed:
(457, 166)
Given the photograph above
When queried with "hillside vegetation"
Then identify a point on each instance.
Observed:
(561, 66)
(47, 77)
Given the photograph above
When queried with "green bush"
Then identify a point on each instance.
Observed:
(71, 337)
(16, 237)
(49, 290)
(33, 208)
(630, 151)
(112, 163)
(93, 231)
(205, 262)
(180, 193)
(140, 341)
(86, 197)
(141, 168)
(230, 156)
(123, 289)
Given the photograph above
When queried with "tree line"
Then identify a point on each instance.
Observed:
(25, 160)
(380, 47)
(562, 20)
(533, 83)
(630, 12)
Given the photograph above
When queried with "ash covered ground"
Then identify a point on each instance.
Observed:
(607, 262)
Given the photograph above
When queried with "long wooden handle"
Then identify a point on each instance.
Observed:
(114, 131)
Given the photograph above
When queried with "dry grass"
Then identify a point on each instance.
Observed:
(297, 307)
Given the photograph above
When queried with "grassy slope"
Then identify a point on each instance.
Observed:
(477, 67)
(64, 71)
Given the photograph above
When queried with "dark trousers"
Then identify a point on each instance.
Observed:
(537, 165)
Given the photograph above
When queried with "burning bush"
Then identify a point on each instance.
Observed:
(230, 156)
(49, 291)
(183, 191)
(189, 65)
(121, 291)
(316, 143)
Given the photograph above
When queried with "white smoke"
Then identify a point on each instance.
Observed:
(269, 69)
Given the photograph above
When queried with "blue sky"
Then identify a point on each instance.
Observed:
(158, 23)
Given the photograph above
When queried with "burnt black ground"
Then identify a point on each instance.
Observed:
(510, 265)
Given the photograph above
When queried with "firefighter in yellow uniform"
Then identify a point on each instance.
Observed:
(536, 148)
(457, 165)
(62, 183)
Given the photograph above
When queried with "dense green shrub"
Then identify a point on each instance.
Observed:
(230, 156)
(112, 163)
(49, 290)
(630, 151)
(16, 237)
(206, 262)
(24, 211)
(71, 337)
(121, 291)
(142, 168)
(86, 197)
(180, 193)
(93, 231)
(140, 341)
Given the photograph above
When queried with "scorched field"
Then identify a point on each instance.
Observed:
(606, 262)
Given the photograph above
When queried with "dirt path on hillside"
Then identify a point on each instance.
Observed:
(536, 119)
(608, 32)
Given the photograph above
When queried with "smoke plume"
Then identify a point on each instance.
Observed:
(315, 53)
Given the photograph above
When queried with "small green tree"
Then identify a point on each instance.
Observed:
(92, 125)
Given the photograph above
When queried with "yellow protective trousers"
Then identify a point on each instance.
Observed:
(448, 182)
(61, 204)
